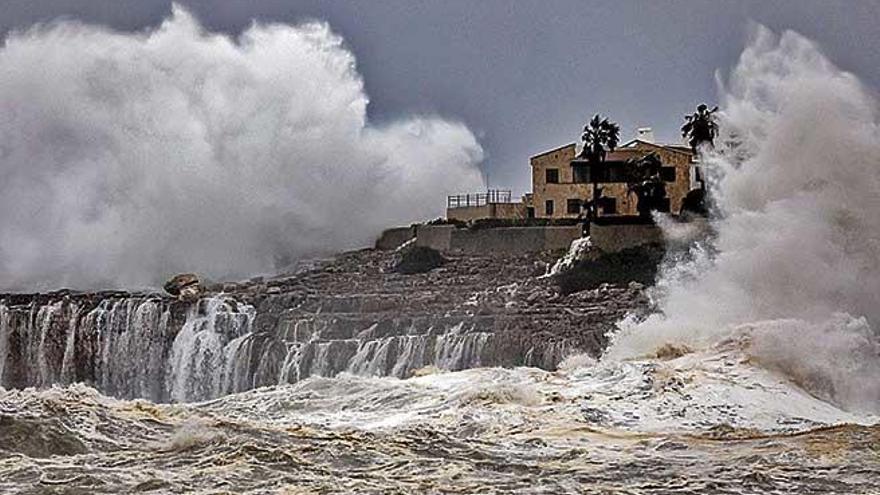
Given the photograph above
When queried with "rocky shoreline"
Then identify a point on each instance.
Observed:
(352, 313)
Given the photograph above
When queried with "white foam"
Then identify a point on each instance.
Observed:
(798, 227)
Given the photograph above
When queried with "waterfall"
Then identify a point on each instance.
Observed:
(205, 358)
(452, 349)
(131, 335)
(372, 357)
(148, 346)
(413, 355)
(549, 354)
(457, 350)
(4, 340)
(128, 347)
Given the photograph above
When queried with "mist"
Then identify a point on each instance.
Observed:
(128, 157)
(793, 273)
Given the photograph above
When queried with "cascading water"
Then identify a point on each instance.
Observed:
(454, 348)
(130, 335)
(205, 359)
(129, 347)
(4, 339)
(153, 348)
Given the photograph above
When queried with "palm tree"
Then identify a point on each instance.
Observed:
(645, 182)
(600, 136)
(700, 128)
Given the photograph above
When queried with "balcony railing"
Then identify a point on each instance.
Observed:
(478, 199)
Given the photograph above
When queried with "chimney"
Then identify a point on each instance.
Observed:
(645, 134)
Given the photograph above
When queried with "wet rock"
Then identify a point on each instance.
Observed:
(190, 293)
(638, 264)
(472, 311)
(417, 259)
(540, 268)
(536, 295)
(635, 286)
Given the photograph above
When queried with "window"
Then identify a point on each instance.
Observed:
(608, 205)
(574, 206)
(548, 207)
(552, 176)
(618, 174)
(667, 174)
(581, 173)
(530, 212)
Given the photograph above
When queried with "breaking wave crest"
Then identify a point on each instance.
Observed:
(793, 268)
(128, 157)
(634, 427)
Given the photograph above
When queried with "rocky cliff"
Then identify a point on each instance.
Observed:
(352, 313)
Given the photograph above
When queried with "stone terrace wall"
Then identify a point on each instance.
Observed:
(394, 238)
(509, 240)
(467, 213)
(437, 237)
(491, 210)
(613, 238)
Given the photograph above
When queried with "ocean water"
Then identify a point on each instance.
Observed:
(705, 422)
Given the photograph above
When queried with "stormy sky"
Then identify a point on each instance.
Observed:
(524, 75)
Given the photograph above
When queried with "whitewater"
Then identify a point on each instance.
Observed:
(758, 373)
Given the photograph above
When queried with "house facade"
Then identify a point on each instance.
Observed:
(561, 183)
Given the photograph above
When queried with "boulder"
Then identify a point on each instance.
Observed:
(638, 264)
(190, 293)
(185, 286)
(417, 259)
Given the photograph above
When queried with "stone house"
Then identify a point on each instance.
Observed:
(561, 183)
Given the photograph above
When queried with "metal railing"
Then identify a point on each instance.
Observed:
(478, 199)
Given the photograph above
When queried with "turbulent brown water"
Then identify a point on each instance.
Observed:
(698, 424)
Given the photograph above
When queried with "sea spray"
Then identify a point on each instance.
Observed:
(129, 157)
(795, 262)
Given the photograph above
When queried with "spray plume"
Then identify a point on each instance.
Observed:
(128, 157)
(794, 269)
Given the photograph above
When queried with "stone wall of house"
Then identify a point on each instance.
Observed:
(508, 210)
(559, 159)
(491, 210)
(566, 189)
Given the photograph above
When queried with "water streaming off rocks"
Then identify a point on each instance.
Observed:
(315, 323)
(139, 348)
